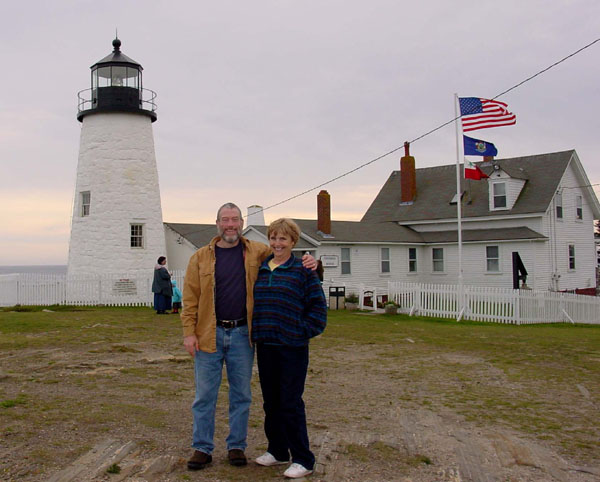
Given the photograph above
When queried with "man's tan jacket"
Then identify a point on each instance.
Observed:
(199, 315)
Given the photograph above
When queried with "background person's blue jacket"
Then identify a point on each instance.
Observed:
(176, 292)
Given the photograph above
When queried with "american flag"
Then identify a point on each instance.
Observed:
(479, 113)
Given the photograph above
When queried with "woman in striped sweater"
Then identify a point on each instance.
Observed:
(289, 309)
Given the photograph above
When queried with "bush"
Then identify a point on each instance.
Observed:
(352, 298)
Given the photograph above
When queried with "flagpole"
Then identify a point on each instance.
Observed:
(458, 207)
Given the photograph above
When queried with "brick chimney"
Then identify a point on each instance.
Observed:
(408, 176)
(324, 212)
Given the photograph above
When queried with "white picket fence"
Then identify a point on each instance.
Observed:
(120, 289)
(498, 305)
(476, 303)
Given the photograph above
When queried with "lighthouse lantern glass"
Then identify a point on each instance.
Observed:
(119, 76)
(103, 76)
(132, 78)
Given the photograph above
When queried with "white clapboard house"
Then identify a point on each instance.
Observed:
(541, 207)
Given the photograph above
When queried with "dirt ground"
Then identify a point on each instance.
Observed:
(87, 407)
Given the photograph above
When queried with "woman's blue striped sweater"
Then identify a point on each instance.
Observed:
(289, 304)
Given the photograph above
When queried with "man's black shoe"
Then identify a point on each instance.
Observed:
(237, 457)
(199, 460)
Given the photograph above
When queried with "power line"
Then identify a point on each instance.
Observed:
(578, 187)
(430, 131)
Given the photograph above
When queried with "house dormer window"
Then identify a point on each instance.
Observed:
(571, 257)
(385, 260)
(558, 204)
(579, 207)
(499, 193)
(345, 265)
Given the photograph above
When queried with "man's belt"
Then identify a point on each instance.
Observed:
(232, 323)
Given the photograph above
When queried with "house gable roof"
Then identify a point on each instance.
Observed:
(197, 234)
(484, 235)
(436, 186)
(359, 232)
(354, 232)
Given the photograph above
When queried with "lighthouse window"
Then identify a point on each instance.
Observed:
(86, 198)
(132, 77)
(137, 235)
(104, 77)
(119, 76)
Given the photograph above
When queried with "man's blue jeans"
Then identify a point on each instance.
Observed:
(234, 349)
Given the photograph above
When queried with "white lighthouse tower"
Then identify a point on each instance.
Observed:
(117, 218)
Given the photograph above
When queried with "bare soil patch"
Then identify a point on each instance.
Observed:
(110, 392)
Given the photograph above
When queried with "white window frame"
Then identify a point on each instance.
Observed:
(558, 203)
(345, 264)
(436, 261)
(490, 260)
(571, 257)
(85, 203)
(385, 265)
(135, 236)
(413, 265)
(497, 197)
(579, 208)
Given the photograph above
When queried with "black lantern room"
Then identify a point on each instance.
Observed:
(116, 87)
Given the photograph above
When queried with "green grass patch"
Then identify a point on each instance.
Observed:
(20, 400)
(523, 378)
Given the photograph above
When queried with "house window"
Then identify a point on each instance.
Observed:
(137, 235)
(499, 189)
(412, 260)
(385, 260)
(437, 255)
(86, 198)
(345, 260)
(558, 204)
(579, 208)
(571, 256)
(492, 256)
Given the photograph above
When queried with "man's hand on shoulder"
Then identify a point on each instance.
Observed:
(309, 262)
(191, 344)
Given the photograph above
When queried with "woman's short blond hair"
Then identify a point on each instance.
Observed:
(285, 226)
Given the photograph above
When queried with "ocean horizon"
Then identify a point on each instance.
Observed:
(40, 268)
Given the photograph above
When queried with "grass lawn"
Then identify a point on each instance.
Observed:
(73, 375)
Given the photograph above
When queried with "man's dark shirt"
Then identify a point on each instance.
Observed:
(230, 278)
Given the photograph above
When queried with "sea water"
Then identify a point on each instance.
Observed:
(43, 269)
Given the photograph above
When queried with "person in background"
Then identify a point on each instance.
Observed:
(176, 297)
(320, 270)
(216, 318)
(161, 287)
(289, 309)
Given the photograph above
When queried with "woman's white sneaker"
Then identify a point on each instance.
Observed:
(295, 471)
(267, 460)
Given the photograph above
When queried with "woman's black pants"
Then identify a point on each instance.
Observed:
(282, 371)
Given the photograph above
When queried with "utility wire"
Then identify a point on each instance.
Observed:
(428, 133)
(431, 131)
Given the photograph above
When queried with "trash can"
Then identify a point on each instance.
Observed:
(337, 297)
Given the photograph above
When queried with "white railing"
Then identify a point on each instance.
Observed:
(120, 289)
(498, 305)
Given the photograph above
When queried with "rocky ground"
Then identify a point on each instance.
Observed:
(377, 412)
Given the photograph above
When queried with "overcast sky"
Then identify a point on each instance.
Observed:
(258, 101)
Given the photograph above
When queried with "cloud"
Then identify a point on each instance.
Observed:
(35, 226)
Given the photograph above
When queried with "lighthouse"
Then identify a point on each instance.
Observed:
(116, 224)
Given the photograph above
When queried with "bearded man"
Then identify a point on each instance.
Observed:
(217, 318)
